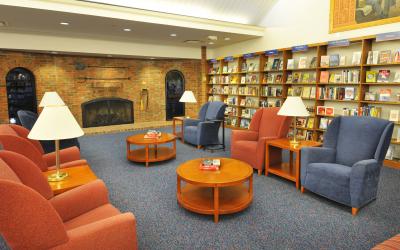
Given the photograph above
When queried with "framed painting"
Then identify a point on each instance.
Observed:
(357, 14)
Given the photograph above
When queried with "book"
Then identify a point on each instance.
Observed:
(334, 60)
(349, 93)
(275, 64)
(394, 115)
(296, 77)
(323, 123)
(383, 75)
(243, 80)
(342, 61)
(396, 57)
(375, 57)
(290, 64)
(324, 78)
(369, 96)
(385, 56)
(289, 78)
(313, 63)
(310, 122)
(384, 95)
(324, 61)
(302, 62)
(313, 92)
(305, 78)
(320, 110)
(330, 111)
(244, 67)
(356, 60)
(210, 164)
(396, 77)
(371, 76)
(152, 134)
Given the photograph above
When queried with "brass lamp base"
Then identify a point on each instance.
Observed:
(294, 143)
(58, 176)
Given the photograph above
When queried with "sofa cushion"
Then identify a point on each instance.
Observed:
(96, 214)
(7, 130)
(7, 173)
(330, 180)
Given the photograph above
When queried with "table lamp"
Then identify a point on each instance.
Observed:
(188, 97)
(51, 99)
(55, 123)
(293, 106)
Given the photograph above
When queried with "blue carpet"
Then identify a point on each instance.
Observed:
(280, 217)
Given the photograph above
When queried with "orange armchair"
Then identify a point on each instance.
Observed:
(81, 218)
(15, 138)
(249, 145)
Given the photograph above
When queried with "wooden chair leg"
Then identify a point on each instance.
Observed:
(259, 172)
(198, 146)
(302, 189)
(354, 211)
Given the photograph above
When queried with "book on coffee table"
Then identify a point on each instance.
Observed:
(152, 134)
(210, 164)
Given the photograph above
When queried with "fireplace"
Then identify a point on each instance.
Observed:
(107, 111)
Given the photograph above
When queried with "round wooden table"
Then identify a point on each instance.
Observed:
(215, 192)
(150, 154)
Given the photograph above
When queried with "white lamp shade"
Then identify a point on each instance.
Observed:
(51, 99)
(55, 123)
(188, 96)
(293, 106)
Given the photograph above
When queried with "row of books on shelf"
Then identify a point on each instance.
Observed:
(298, 77)
(271, 91)
(249, 79)
(345, 76)
(304, 92)
(383, 57)
(384, 95)
(359, 111)
(302, 63)
(234, 121)
(337, 93)
(382, 76)
(232, 111)
(272, 78)
(248, 113)
(244, 102)
(234, 90)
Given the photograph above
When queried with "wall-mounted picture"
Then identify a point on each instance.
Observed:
(356, 14)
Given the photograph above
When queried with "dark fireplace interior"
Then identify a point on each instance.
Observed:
(107, 111)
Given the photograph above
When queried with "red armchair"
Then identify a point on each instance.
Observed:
(81, 218)
(15, 138)
(249, 145)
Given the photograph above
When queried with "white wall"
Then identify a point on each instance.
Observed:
(297, 22)
(41, 42)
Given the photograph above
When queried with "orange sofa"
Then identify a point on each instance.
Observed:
(81, 218)
(15, 138)
(249, 145)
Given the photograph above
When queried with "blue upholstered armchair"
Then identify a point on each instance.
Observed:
(28, 119)
(204, 130)
(346, 169)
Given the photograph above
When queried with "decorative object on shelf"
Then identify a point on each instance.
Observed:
(294, 106)
(56, 123)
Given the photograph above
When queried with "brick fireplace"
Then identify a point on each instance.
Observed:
(99, 77)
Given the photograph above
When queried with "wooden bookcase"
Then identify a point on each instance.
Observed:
(224, 81)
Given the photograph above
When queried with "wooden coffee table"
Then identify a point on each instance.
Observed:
(150, 154)
(77, 176)
(215, 192)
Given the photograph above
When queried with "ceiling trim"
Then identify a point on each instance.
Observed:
(138, 15)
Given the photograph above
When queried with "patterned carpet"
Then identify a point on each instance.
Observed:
(280, 217)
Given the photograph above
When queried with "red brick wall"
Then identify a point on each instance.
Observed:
(58, 73)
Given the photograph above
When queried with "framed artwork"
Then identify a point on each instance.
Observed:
(357, 14)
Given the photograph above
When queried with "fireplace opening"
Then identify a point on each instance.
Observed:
(107, 111)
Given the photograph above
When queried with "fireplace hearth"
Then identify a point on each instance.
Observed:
(106, 112)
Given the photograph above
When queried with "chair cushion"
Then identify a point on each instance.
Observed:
(7, 130)
(246, 151)
(329, 180)
(7, 173)
(96, 214)
(213, 110)
(190, 134)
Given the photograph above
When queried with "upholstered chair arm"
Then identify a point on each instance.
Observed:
(23, 132)
(207, 133)
(315, 155)
(262, 141)
(66, 155)
(244, 135)
(190, 122)
(116, 232)
(80, 200)
(364, 179)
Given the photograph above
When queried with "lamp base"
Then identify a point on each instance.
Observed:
(58, 176)
(294, 143)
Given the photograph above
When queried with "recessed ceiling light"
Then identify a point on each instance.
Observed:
(54, 52)
(211, 43)
(192, 41)
(214, 38)
(127, 29)
(151, 58)
(109, 55)
(227, 38)
(64, 23)
(173, 35)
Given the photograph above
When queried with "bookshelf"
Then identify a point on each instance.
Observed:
(266, 78)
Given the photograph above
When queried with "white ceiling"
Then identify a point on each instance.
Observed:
(237, 11)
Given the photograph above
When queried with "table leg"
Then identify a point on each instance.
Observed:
(155, 151)
(173, 127)
(298, 169)
(216, 204)
(147, 155)
(178, 185)
(128, 149)
(182, 132)
(174, 143)
(251, 186)
(291, 159)
(266, 159)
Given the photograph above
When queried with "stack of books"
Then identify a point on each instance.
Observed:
(210, 164)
